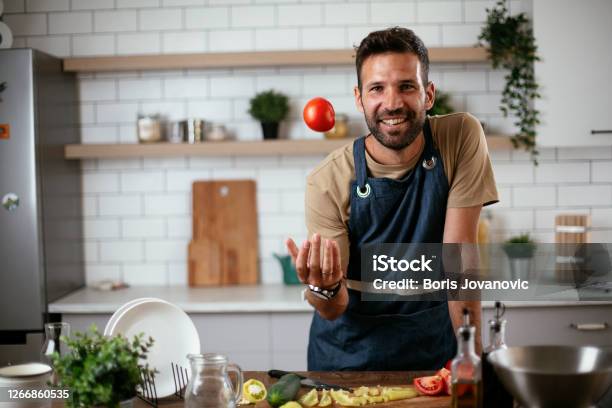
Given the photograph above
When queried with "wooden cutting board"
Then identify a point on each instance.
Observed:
(571, 231)
(205, 262)
(353, 379)
(224, 247)
(356, 379)
(572, 228)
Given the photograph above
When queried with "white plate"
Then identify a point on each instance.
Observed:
(25, 370)
(118, 312)
(26, 377)
(173, 331)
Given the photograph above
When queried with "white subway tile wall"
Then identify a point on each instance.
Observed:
(137, 212)
(91, 45)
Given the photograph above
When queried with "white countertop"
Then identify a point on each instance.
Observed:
(229, 299)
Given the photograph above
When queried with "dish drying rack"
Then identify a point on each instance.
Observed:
(148, 392)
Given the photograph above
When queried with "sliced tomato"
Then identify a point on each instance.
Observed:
(446, 379)
(431, 385)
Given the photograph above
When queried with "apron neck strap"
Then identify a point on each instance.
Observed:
(361, 167)
(429, 145)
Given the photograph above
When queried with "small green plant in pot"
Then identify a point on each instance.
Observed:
(270, 108)
(101, 371)
(520, 246)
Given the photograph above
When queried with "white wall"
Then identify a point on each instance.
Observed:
(137, 221)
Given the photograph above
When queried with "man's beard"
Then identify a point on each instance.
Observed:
(400, 138)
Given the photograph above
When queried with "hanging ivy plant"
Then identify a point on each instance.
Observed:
(511, 46)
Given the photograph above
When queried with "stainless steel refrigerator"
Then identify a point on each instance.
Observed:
(41, 255)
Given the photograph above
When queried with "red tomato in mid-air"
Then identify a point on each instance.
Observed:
(319, 115)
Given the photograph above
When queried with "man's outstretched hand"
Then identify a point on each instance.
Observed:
(317, 263)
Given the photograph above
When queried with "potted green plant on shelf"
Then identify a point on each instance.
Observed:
(511, 45)
(270, 108)
(100, 370)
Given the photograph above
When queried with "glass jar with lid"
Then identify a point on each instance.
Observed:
(216, 132)
(340, 129)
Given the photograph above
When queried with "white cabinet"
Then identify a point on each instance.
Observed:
(564, 325)
(574, 41)
(257, 341)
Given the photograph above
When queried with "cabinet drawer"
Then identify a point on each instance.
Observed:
(565, 325)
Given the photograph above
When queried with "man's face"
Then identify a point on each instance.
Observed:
(393, 98)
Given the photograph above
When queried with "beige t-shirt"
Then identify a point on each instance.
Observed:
(462, 145)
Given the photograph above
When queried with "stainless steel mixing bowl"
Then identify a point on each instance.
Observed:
(554, 376)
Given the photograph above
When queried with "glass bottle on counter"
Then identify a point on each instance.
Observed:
(54, 343)
(466, 374)
(494, 393)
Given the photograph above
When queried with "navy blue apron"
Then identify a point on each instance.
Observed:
(389, 335)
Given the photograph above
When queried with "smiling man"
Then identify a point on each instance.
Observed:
(412, 179)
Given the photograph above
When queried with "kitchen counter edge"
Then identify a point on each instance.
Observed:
(230, 299)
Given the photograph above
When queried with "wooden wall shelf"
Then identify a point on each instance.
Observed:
(251, 59)
(230, 148)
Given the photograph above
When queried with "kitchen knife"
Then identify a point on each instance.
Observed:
(309, 382)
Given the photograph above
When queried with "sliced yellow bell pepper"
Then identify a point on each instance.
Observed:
(291, 404)
(325, 400)
(398, 393)
(374, 391)
(374, 399)
(310, 399)
(343, 398)
(254, 390)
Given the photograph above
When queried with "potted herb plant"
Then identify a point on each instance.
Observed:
(102, 371)
(520, 250)
(270, 108)
(520, 246)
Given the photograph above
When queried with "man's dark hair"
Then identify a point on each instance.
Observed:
(395, 39)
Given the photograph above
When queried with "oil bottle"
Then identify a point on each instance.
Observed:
(466, 374)
(494, 393)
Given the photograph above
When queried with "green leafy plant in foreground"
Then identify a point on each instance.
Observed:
(101, 370)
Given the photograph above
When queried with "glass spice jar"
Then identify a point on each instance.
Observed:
(340, 129)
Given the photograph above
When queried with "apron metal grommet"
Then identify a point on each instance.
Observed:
(429, 164)
(363, 193)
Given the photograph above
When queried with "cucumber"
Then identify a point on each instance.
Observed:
(284, 390)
